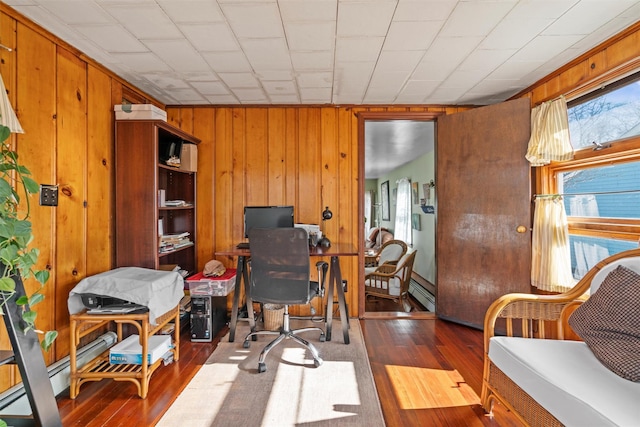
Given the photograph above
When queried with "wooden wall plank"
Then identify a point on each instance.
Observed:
(203, 124)
(71, 176)
(36, 61)
(100, 169)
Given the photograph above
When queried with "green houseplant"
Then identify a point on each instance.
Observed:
(16, 257)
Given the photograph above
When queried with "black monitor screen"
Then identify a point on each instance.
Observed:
(267, 217)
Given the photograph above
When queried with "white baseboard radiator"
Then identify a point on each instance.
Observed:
(424, 297)
(14, 401)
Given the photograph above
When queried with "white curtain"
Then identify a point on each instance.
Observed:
(7, 115)
(402, 229)
(368, 220)
(551, 254)
(549, 133)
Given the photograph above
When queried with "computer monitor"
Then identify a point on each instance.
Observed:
(267, 217)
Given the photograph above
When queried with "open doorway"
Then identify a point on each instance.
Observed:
(395, 146)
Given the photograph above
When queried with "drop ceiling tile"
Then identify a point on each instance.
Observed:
(586, 16)
(250, 96)
(112, 38)
(275, 88)
(358, 49)
(514, 33)
(308, 10)
(443, 56)
(254, 20)
(178, 54)
(222, 100)
(475, 18)
(416, 91)
(378, 17)
(192, 11)
(318, 80)
(145, 21)
(239, 80)
(306, 36)
(210, 37)
(305, 61)
(411, 35)
(166, 81)
(284, 99)
(187, 95)
(540, 9)
(267, 54)
(275, 75)
(315, 95)
(227, 62)
(421, 10)
(398, 61)
(79, 12)
(485, 60)
(210, 88)
(142, 62)
(513, 69)
(545, 47)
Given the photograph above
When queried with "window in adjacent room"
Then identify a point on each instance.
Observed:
(601, 187)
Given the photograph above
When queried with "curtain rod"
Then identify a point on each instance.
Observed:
(593, 193)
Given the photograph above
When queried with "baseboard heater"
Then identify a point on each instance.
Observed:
(424, 297)
(14, 401)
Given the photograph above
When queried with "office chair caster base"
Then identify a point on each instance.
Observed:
(246, 344)
(262, 367)
(317, 362)
(323, 338)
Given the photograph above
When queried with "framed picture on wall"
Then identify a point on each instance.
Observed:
(384, 199)
(414, 193)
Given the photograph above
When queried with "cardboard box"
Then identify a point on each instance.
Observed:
(213, 286)
(139, 112)
(129, 351)
(189, 157)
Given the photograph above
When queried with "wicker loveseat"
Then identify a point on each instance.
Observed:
(546, 379)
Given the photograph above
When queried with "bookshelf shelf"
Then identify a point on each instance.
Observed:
(140, 175)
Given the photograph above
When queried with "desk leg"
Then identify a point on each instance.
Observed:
(335, 281)
(242, 278)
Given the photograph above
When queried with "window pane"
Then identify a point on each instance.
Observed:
(586, 252)
(621, 181)
(614, 115)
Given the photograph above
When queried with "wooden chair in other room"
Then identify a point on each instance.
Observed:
(391, 281)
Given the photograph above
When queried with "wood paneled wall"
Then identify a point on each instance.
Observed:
(305, 156)
(64, 102)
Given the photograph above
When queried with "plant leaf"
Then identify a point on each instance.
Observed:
(7, 284)
(35, 299)
(29, 317)
(5, 132)
(49, 338)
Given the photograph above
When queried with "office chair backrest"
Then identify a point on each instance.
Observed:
(279, 265)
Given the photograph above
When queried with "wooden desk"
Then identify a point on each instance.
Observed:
(335, 282)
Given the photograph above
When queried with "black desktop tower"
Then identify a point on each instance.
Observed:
(208, 315)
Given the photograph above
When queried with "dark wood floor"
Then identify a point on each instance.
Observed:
(408, 358)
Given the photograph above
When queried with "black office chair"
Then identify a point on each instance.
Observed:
(280, 275)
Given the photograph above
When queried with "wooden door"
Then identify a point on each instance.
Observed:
(483, 197)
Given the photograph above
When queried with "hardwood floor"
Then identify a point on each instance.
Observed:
(408, 358)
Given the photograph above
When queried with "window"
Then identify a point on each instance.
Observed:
(601, 187)
(402, 229)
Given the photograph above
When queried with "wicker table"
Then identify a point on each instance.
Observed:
(82, 324)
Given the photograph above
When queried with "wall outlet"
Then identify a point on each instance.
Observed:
(344, 285)
(48, 195)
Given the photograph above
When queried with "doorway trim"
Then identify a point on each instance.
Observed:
(364, 116)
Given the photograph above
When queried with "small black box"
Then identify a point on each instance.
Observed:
(208, 316)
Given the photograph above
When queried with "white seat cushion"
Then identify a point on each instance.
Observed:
(567, 379)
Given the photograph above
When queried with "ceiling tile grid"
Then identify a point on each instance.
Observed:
(335, 52)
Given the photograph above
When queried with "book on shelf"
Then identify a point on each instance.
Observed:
(176, 203)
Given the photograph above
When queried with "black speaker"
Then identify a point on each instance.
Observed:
(201, 326)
